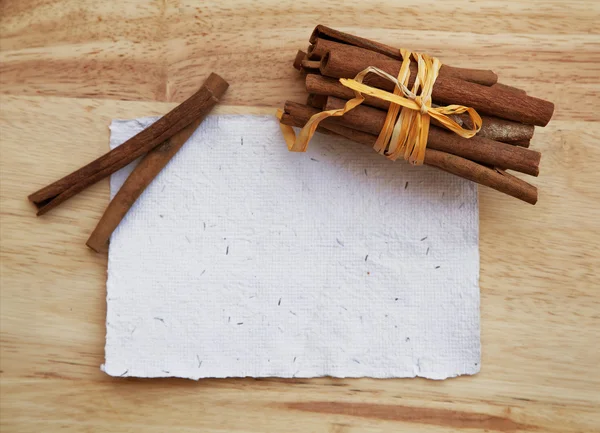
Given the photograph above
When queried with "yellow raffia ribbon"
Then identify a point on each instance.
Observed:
(407, 122)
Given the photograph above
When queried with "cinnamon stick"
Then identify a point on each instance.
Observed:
(503, 130)
(510, 88)
(181, 116)
(300, 55)
(493, 178)
(328, 86)
(494, 153)
(494, 101)
(522, 143)
(494, 128)
(322, 46)
(323, 32)
(304, 65)
(326, 127)
(316, 101)
(143, 174)
(298, 114)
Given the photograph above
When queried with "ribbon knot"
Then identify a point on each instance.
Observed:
(407, 122)
(423, 103)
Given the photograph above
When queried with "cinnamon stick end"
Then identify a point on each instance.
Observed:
(324, 62)
(42, 206)
(315, 34)
(310, 64)
(216, 84)
(548, 112)
(310, 55)
(537, 160)
(300, 55)
(38, 198)
(310, 81)
(97, 246)
(520, 143)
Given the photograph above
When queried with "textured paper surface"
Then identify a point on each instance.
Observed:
(243, 259)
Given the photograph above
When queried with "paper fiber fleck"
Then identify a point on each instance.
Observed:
(243, 259)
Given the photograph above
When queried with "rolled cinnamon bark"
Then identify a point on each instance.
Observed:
(303, 65)
(522, 143)
(322, 46)
(510, 88)
(300, 55)
(503, 130)
(484, 77)
(310, 64)
(493, 128)
(316, 101)
(298, 114)
(489, 152)
(494, 101)
(135, 184)
(493, 178)
(181, 116)
(328, 86)
(329, 128)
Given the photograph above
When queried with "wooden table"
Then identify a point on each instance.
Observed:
(70, 66)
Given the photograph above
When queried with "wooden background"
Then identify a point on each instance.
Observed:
(69, 66)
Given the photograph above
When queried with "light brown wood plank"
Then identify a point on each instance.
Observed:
(67, 67)
(158, 50)
(539, 306)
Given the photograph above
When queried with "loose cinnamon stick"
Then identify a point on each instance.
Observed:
(489, 152)
(493, 128)
(322, 46)
(181, 116)
(494, 101)
(143, 174)
(298, 115)
(323, 32)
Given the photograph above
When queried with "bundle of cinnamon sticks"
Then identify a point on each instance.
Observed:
(509, 115)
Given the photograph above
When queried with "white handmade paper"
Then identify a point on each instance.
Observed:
(244, 259)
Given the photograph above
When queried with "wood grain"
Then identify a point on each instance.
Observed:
(83, 62)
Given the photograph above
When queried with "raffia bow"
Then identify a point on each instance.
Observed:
(407, 122)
